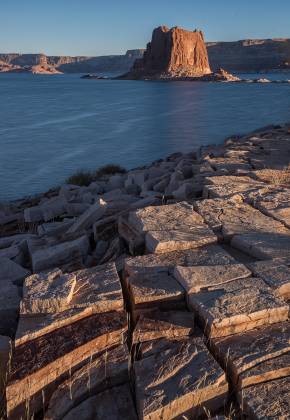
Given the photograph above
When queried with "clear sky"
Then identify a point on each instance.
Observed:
(97, 27)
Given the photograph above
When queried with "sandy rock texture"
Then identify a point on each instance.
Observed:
(152, 293)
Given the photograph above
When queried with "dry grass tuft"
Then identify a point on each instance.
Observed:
(275, 176)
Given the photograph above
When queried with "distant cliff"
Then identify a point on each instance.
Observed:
(240, 56)
(250, 55)
(80, 64)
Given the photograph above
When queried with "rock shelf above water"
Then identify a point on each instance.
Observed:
(151, 294)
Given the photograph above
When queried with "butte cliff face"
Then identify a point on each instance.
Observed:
(172, 53)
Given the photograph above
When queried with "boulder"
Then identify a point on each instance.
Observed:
(9, 308)
(198, 278)
(163, 233)
(54, 207)
(76, 209)
(158, 325)
(7, 241)
(267, 400)
(183, 380)
(103, 371)
(275, 274)
(255, 356)
(96, 290)
(264, 245)
(174, 240)
(158, 263)
(45, 257)
(47, 292)
(89, 217)
(12, 272)
(274, 202)
(5, 353)
(148, 348)
(184, 192)
(237, 306)
(38, 366)
(54, 228)
(235, 218)
(230, 186)
(114, 404)
(116, 181)
(159, 291)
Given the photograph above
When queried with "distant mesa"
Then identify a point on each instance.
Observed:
(114, 64)
(172, 53)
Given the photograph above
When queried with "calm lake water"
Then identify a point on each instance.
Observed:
(51, 126)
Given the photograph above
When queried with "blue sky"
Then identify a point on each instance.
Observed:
(96, 27)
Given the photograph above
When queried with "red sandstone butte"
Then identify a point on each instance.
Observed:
(172, 53)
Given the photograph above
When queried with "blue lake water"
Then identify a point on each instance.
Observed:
(51, 126)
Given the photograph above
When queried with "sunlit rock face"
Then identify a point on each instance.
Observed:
(173, 53)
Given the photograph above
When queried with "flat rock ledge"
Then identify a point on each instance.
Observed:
(160, 293)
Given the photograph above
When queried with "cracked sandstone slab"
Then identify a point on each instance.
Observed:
(194, 279)
(169, 325)
(235, 218)
(273, 201)
(181, 380)
(47, 292)
(171, 227)
(101, 372)
(158, 263)
(267, 400)
(114, 404)
(97, 290)
(264, 246)
(155, 291)
(275, 274)
(237, 306)
(39, 365)
(255, 356)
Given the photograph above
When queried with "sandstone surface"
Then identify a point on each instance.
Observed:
(172, 53)
(114, 404)
(101, 372)
(258, 402)
(255, 356)
(39, 365)
(237, 306)
(47, 292)
(163, 325)
(185, 378)
(195, 279)
(159, 291)
(104, 311)
(275, 274)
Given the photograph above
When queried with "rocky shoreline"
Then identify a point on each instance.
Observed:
(159, 293)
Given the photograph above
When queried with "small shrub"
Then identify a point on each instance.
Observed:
(110, 169)
(81, 178)
(85, 178)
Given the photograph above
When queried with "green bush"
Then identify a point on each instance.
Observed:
(81, 178)
(85, 178)
(110, 169)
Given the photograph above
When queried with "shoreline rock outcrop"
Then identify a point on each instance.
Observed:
(152, 293)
